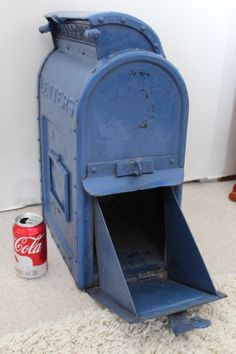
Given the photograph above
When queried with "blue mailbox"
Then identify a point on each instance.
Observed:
(113, 117)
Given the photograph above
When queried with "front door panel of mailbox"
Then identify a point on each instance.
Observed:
(140, 104)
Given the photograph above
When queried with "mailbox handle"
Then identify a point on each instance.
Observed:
(136, 167)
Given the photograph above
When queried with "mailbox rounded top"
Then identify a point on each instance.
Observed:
(98, 19)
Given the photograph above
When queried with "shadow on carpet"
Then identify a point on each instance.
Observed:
(100, 331)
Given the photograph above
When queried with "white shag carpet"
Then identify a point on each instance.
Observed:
(100, 331)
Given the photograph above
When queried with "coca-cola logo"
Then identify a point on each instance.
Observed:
(23, 246)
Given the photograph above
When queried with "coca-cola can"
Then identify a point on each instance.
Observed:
(30, 245)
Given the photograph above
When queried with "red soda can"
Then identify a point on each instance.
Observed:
(30, 245)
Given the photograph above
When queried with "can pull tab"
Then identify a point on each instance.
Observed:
(24, 220)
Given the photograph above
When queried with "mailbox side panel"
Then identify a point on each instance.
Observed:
(60, 85)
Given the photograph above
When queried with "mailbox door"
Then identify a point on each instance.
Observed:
(136, 119)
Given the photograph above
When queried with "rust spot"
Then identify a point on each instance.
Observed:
(143, 74)
(143, 125)
(132, 73)
(145, 93)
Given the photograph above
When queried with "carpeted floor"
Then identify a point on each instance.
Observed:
(49, 315)
(100, 331)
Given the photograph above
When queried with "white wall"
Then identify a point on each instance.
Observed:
(197, 36)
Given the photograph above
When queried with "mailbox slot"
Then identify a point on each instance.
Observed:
(138, 240)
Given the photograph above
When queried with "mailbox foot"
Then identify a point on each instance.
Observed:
(180, 323)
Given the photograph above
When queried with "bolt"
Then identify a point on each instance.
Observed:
(92, 33)
(75, 158)
(172, 160)
(74, 186)
(123, 19)
(74, 130)
(101, 19)
(93, 169)
(143, 27)
(156, 45)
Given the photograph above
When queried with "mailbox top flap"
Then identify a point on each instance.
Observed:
(108, 31)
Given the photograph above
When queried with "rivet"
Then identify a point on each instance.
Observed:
(74, 186)
(156, 45)
(101, 19)
(93, 169)
(74, 130)
(74, 158)
(123, 19)
(143, 27)
(172, 160)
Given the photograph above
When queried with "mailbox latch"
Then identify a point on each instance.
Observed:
(136, 167)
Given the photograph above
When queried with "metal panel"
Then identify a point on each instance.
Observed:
(184, 261)
(111, 278)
